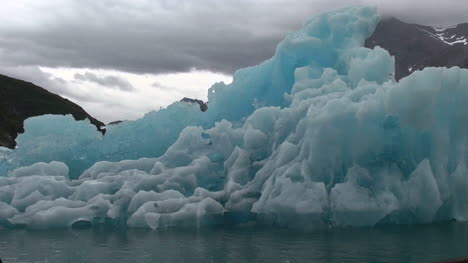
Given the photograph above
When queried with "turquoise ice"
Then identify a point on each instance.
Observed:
(319, 135)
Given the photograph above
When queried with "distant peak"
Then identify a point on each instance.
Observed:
(417, 46)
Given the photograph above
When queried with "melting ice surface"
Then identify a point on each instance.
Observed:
(319, 135)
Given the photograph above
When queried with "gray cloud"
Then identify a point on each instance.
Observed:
(107, 81)
(166, 88)
(175, 36)
(45, 80)
(162, 36)
(97, 103)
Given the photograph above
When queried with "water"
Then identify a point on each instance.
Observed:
(423, 243)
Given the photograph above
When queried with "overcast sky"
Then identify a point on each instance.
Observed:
(121, 58)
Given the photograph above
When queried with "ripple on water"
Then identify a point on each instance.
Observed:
(392, 244)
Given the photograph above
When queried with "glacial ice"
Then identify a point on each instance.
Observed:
(319, 135)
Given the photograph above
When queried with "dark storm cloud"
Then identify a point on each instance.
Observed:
(133, 52)
(174, 36)
(107, 81)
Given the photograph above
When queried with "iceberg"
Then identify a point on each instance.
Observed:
(320, 135)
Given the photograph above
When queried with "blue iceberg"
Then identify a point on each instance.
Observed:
(319, 135)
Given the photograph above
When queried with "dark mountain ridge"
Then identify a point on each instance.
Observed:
(20, 100)
(416, 46)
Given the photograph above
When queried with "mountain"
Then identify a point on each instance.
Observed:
(416, 46)
(20, 100)
(203, 105)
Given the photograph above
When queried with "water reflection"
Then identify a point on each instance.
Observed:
(427, 243)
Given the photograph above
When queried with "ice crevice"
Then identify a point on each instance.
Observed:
(319, 135)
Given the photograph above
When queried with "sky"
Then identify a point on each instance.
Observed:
(119, 59)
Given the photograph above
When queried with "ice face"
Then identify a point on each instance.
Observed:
(319, 135)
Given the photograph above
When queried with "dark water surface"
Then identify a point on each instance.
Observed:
(423, 243)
